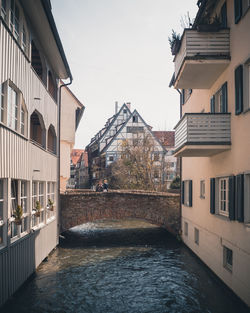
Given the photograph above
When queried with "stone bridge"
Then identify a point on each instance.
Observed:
(78, 207)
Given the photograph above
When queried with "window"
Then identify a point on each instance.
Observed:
(186, 192)
(247, 199)
(135, 119)
(124, 111)
(13, 112)
(52, 139)
(24, 205)
(41, 201)
(36, 60)
(12, 109)
(245, 6)
(1, 211)
(1, 103)
(196, 236)
(202, 189)
(218, 101)
(14, 202)
(3, 9)
(14, 19)
(185, 228)
(51, 85)
(37, 129)
(51, 196)
(156, 156)
(228, 258)
(111, 158)
(135, 129)
(223, 196)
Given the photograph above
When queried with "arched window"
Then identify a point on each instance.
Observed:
(36, 60)
(51, 85)
(52, 139)
(37, 129)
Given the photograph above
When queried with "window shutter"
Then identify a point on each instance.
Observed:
(212, 104)
(240, 197)
(224, 98)
(183, 96)
(212, 195)
(238, 76)
(182, 192)
(223, 14)
(237, 10)
(190, 198)
(232, 198)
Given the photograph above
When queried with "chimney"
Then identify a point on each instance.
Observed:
(116, 107)
(128, 105)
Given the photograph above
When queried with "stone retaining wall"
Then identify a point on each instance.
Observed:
(159, 208)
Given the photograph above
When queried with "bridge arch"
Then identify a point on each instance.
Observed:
(158, 208)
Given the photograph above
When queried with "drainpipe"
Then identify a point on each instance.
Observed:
(180, 163)
(59, 149)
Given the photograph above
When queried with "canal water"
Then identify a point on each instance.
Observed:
(127, 266)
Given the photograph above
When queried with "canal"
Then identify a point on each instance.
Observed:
(123, 266)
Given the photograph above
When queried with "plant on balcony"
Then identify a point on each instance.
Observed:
(18, 215)
(51, 204)
(37, 209)
(175, 42)
(210, 24)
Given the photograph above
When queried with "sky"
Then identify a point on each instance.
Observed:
(118, 50)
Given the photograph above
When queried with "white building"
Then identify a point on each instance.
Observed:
(32, 61)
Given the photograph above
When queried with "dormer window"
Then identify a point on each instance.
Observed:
(124, 111)
(14, 19)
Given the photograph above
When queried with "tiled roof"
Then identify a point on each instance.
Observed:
(165, 137)
(75, 155)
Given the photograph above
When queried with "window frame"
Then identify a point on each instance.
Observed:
(186, 229)
(51, 194)
(3, 218)
(26, 213)
(225, 199)
(196, 236)
(227, 255)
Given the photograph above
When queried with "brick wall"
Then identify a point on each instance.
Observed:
(159, 208)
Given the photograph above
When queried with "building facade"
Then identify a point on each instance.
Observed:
(32, 61)
(212, 68)
(75, 156)
(71, 113)
(126, 126)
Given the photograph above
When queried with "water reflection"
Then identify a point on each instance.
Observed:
(123, 266)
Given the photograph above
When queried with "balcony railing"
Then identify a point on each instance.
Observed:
(203, 134)
(198, 51)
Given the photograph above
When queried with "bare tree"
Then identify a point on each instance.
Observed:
(140, 165)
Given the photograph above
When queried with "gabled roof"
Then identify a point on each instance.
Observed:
(167, 138)
(126, 122)
(75, 155)
(107, 128)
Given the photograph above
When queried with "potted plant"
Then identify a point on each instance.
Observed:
(18, 215)
(37, 209)
(175, 42)
(210, 25)
(51, 204)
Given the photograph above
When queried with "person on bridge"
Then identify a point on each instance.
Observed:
(105, 185)
(99, 186)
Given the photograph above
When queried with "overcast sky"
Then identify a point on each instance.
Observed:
(118, 50)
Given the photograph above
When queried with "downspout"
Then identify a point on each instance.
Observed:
(180, 169)
(59, 152)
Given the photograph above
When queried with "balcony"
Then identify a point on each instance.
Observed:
(202, 134)
(202, 57)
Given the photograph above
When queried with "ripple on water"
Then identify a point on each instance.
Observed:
(160, 275)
